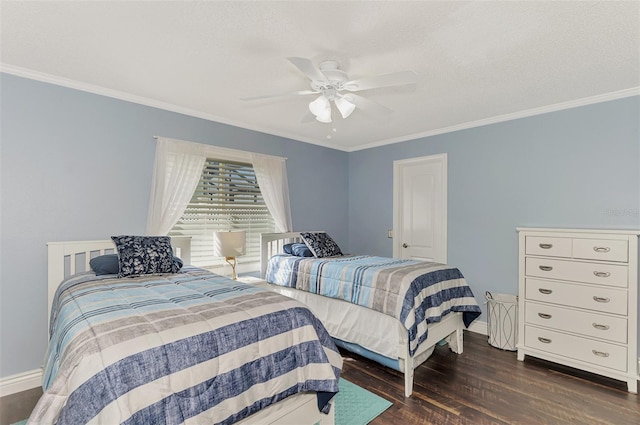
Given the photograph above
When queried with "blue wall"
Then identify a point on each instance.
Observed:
(77, 166)
(578, 168)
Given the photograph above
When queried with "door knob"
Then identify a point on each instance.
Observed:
(404, 245)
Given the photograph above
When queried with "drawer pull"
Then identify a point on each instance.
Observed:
(602, 274)
(601, 249)
(546, 268)
(547, 245)
(599, 353)
(601, 327)
(601, 299)
(547, 316)
(545, 291)
(546, 340)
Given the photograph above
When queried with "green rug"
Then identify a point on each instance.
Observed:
(354, 405)
(357, 406)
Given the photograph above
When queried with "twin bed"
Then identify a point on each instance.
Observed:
(190, 346)
(183, 347)
(392, 311)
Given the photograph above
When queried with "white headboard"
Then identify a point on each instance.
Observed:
(272, 243)
(70, 257)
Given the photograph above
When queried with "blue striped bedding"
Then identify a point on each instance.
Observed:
(187, 347)
(414, 292)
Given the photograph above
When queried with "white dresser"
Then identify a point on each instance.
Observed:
(578, 299)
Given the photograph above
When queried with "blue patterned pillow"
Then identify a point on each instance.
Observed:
(139, 255)
(320, 244)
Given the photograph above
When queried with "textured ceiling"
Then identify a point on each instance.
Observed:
(477, 62)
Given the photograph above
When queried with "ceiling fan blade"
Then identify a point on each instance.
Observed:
(269, 96)
(367, 105)
(387, 80)
(308, 68)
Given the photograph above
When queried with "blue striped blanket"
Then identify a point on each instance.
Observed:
(414, 292)
(187, 347)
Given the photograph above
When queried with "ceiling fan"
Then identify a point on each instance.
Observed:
(333, 85)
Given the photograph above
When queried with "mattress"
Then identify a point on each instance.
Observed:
(352, 323)
(416, 293)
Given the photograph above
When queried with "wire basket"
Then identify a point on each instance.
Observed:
(502, 326)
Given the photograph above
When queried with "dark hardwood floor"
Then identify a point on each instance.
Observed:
(484, 385)
(16, 407)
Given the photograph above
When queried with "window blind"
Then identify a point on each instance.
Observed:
(227, 197)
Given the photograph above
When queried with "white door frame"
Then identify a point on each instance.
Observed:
(397, 188)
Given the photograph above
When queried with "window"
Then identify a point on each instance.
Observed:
(227, 198)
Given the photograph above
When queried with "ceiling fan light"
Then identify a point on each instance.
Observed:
(344, 106)
(324, 117)
(320, 106)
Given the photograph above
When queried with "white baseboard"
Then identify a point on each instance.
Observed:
(478, 327)
(20, 382)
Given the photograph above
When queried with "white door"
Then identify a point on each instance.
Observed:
(420, 208)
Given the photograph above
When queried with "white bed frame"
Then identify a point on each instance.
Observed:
(450, 328)
(67, 258)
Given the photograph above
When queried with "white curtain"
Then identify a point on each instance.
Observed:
(176, 173)
(271, 173)
(177, 170)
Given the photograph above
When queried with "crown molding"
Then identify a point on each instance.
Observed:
(634, 91)
(128, 97)
(77, 85)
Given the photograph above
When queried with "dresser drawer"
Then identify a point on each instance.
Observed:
(578, 348)
(591, 297)
(577, 271)
(555, 247)
(577, 321)
(601, 249)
